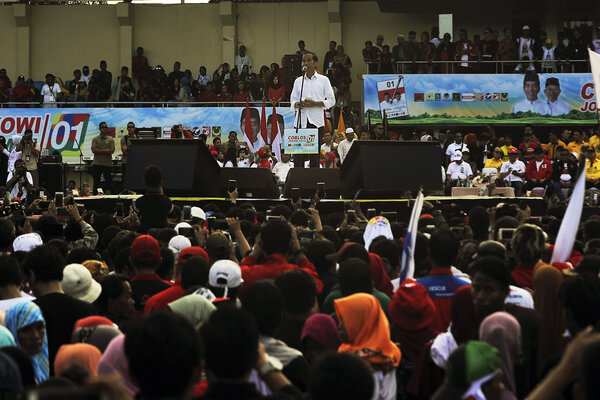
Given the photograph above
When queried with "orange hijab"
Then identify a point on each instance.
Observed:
(368, 330)
(83, 354)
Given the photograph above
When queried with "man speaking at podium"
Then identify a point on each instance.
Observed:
(311, 95)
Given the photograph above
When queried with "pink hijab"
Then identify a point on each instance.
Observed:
(114, 362)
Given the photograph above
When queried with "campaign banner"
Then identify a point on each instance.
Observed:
(69, 130)
(303, 141)
(481, 98)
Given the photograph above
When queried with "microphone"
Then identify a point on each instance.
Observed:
(304, 68)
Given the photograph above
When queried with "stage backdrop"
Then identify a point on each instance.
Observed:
(477, 99)
(69, 129)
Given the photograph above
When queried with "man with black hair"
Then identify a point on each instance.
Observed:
(341, 376)
(299, 292)
(277, 239)
(580, 299)
(232, 351)
(7, 236)
(552, 91)
(43, 267)
(538, 172)
(531, 88)
(19, 181)
(441, 284)
(153, 206)
(317, 252)
(591, 229)
(164, 353)
(265, 302)
(30, 154)
(103, 146)
(11, 282)
(145, 258)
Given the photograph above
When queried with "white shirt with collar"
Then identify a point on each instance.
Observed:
(282, 169)
(50, 94)
(318, 88)
(459, 171)
(203, 79)
(14, 191)
(241, 61)
(536, 106)
(344, 148)
(559, 107)
(452, 147)
(518, 166)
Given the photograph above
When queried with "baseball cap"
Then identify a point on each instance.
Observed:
(525, 27)
(77, 282)
(225, 273)
(349, 130)
(467, 368)
(192, 251)
(457, 155)
(197, 212)
(181, 225)
(178, 243)
(27, 242)
(145, 248)
(261, 152)
(218, 246)
(548, 40)
(411, 308)
(512, 150)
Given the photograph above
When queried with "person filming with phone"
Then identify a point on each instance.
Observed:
(30, 154)
(19, 180)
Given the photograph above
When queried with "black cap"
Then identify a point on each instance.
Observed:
(552, 81)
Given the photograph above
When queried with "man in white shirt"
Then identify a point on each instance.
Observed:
(513, 171)
(281, 169)
(19, 180)
(203, 78)
(328, 145)
(458, 170)
(50, 91)
(525, 49)
(317, 96)
(244, 159)
(86, 75)
(531, 88)
(555, 105)
(346, 144)
(452, 148)
(243, 59)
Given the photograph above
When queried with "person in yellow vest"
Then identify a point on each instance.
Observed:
(575, 145)
(551, 148)
(595, 140)
(496, 161)
(506, 147)
(592, 170)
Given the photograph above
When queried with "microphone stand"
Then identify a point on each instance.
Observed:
(80, 164)
(300, 107)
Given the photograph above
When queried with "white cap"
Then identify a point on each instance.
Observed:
(181, 225)
(178, 243)
(197, 212)
(457, 155)
(228, 270)
(77, 282)
(349, 130)
(525, 27)
(27, 242)
(426, 138)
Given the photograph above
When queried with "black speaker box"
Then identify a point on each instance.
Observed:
(51, 177)
(307, 178)
(251, 182)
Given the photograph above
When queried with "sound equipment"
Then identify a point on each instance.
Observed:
(388, 168)
(187, 166)
(306, 180)
(251, 182)
(51, 177)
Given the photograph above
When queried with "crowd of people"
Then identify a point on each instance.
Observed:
(175, 301)
(433, 54)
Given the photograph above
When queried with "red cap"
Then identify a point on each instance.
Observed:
(426, 216)
(145, 248)
(261, 152)
(512, 150)
(94, 320)
(411, 308)
(192, 251)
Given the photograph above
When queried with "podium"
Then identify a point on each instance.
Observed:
(381, 169)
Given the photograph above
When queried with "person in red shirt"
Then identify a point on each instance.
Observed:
(277, 240)
(242, 95)
(465, 51)
(538, 171)
(528, 146)
(20, 92)
(276, 91)
(145, 258)
(139, 65)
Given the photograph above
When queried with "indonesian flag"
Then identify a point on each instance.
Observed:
(595, 65)
(275, 136)
(262, 138)
(248, 135)
(341, 128)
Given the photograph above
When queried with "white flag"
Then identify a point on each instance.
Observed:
(408, 258)
(570, 223)
(595, 64)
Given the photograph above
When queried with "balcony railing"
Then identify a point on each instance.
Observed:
(114, 104)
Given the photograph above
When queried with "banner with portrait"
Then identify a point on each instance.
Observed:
(481, 98)
(68, 130)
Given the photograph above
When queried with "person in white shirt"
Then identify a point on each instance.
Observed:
(14, 155)
(317, 96)
(549, 57)
(203, 77)
(243, 158)
(86, 75)
(243, 59)
(555, 105)
(50, 91)
(346, 144)
(531, 88)
(328, 145)
(458, 170)
(525, 48)
(19, 180)
(282, 168)
(513, 171)
(452, 148)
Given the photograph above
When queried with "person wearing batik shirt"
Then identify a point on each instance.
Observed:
(466, 52)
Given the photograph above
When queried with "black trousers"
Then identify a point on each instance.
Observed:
(315, 159)
(97, 172)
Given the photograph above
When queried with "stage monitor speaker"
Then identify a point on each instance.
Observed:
(307, 178)
(388, 168)
(51, 177)
(258, 183)
(187, 166)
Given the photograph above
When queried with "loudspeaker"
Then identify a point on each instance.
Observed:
(187, 166)
(251, 182)
(51, 177)
(307, 178)
(388, 168)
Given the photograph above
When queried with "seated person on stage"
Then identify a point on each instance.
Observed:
(551, 149)
(281, 169)
(528, 146)
(19, 180)
(592, 170)
(575, 145)
(496, 161)
(564, 171)
(243, 158)
(513, 171)
(538, 171)
(153, 206)
(264, 160)
(457, 170)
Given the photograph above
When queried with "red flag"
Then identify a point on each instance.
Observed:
(263, 127)
(248, 135)
(275, 136)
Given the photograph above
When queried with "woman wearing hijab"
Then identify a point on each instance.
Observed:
(26, 323)
(114, 362)
(329, 161)
(503, 331)
(276, 92)
(365, 331)
(84, 355)
(195, 307)
(319, 335)
(95, 330)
